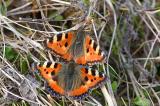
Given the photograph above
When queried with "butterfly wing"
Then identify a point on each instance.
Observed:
(49, 71)
(69, 80)
(92, 52)
(60, 45)
(91, 79)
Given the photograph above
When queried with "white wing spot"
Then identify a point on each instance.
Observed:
(45, 64)
(97, 73)
(55, 39)
(97, 49)
(52, 65)
(89, 71)
(63, 36)
(92, 43)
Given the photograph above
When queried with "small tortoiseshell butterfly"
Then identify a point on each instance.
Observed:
(81, 48)
(70, 80)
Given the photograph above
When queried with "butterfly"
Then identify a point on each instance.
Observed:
(69, 80)
(80, 48)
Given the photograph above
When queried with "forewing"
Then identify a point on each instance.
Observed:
(92, 52)
(60, 44)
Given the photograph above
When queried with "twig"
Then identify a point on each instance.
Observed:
(110, 49)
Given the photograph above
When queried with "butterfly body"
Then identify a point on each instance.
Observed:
(69, 77)
(80, 48)
(71, 80)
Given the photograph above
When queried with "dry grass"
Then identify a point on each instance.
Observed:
(127, 30)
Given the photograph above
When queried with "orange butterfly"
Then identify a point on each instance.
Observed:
(81, 48)
(71, 80)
